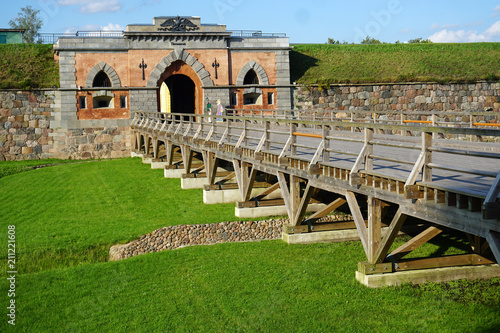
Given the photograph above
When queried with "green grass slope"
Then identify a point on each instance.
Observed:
(328, 64)
(27, 66)
(67, 216)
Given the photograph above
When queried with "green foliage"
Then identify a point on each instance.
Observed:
(330, 64)
(419, 40)
(27, 66)
(29, 20)
(369, 40)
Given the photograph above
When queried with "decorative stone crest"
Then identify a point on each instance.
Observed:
(178, 24)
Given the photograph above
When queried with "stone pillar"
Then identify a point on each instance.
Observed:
(284, 98)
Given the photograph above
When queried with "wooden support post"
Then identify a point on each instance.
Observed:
(369, 149)
(326, 144)
(211, 165)
(304, 202)
(187, 158)
(155, 148)
(374, 226)
(293, 148)
(358, 220)
(426, 144)
(146, 145)
(394, 228)
(267, 135)
(294, 196)
(415, 242)
(169, 149)
(491, 207)
(493, 239)
(286, 193)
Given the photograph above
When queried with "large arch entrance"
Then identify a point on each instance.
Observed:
(178, 94)
(180, 90)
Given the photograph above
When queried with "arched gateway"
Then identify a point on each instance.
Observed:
(175, 64)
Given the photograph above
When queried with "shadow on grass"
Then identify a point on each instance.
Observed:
(300, 64)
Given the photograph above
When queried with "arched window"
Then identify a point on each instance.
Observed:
(251, 78)
(101, 80)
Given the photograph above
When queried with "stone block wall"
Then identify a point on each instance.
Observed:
(28, 130)
(479, 96)
(25, 124)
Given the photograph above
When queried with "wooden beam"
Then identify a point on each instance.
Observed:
(374, 226)
(187, 157)
(294, 195)
(286, 193)
(358, 220)
(268, 191)
(304, 202)
(328, 209)
(493, 239)
(447, 261)
(394, 228)
(415, 242)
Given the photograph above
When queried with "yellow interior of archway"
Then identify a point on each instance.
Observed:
(165, 98)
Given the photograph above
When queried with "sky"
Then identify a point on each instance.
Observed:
(312, 21)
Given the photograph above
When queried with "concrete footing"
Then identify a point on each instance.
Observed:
(133, 154)
(158, 165)
(268, 211)
(429, 275)
(196, 183)
(331, 236)
(213, 197)
(174, 173)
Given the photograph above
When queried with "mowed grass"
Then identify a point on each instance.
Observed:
(241, 287)
(328, 64)
(246, 287)
(70, 214)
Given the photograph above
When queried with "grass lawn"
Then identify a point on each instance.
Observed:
(328, 64)
(67, 216)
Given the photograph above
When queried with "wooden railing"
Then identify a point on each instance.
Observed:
(311, 144)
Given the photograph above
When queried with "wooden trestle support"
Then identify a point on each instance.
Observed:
(254, 156)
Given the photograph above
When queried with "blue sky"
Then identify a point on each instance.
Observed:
(312, 21)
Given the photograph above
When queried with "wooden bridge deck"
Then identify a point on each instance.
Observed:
(367, 166)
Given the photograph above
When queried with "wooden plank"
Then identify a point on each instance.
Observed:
(448, 261)
(412, 178)
(296, 229)
(250, 184)
(415, 242)
(304, 202)
(268, 191)
(369, 268)
(394, 228)
(413, 192)
(328, 209)
(285, 192)
(358, 220)
(374, 226)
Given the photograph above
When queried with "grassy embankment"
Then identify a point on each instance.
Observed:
(328, 64)
(27, 66)
(67, 216)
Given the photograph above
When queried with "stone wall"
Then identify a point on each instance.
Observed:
(25, 131)
(28, 130)
(479, 96)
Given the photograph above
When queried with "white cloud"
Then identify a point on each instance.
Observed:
(93, 6)
(112, 26)
(496, 11)
(94, 27)
(492, 34)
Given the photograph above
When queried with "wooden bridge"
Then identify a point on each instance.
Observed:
(383, 169)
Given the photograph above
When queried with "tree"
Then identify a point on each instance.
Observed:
(28, 19)
(369, 40)
(419, 40)
(333, 41)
